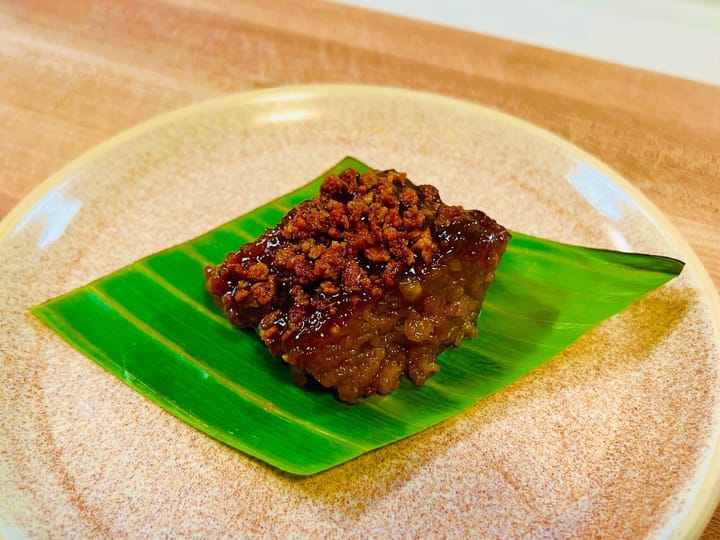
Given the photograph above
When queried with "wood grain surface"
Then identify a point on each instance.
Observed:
(73, 73)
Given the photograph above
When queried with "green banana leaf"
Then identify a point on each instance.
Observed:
(153, 325)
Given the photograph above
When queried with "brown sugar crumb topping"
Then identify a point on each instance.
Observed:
(353, 238)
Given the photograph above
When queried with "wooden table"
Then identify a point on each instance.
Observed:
(75, 72)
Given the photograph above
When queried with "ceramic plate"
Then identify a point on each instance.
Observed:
(617, 436)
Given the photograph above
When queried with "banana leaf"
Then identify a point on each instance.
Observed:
(153, 325)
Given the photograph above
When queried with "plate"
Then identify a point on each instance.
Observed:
(617, 436)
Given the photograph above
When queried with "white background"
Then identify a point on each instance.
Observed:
(676, 37)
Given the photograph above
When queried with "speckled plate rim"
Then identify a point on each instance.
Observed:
(706, 484)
